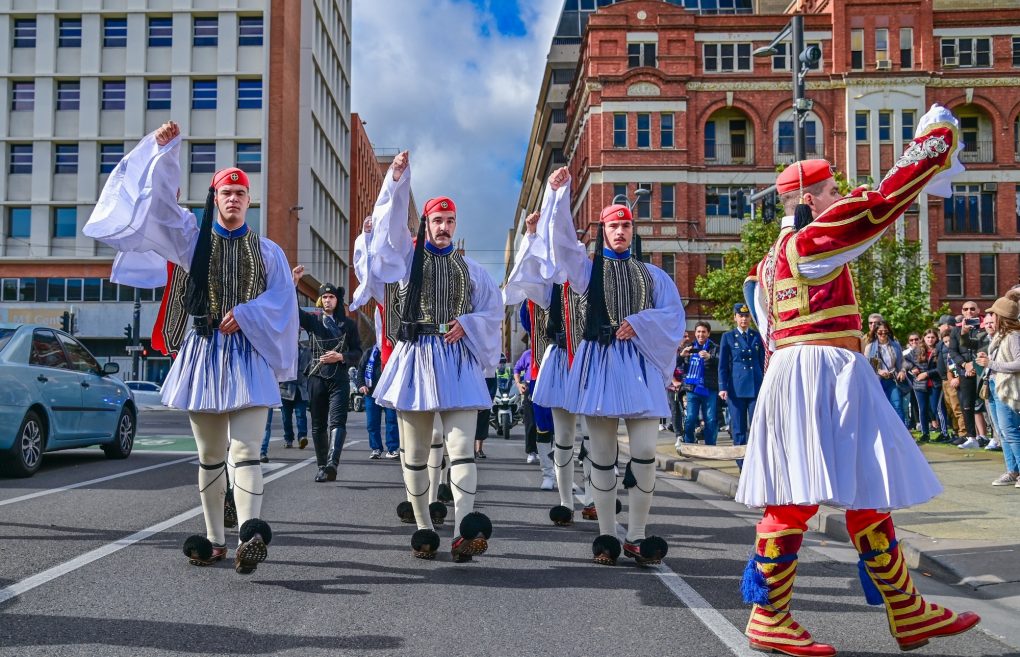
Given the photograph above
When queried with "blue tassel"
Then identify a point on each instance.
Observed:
(753, 586)
(871, 593)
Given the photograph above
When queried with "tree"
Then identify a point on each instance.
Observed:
(724, 287)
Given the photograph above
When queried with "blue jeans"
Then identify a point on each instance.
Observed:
(928, 401)
(269, 427)
(373, 418)
(892, 393)
(1007, 422)
(707, 406)
(298, 408)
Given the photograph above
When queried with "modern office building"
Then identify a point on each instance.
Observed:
(257, 84)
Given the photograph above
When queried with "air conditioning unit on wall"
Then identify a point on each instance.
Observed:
(989, 187)
(883, 65)
(949, 62)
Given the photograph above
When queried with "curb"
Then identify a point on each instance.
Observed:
(829, 520)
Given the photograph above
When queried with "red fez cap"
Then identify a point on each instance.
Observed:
(803, 174)
(439, 204)
(616, 213)
(230, 176)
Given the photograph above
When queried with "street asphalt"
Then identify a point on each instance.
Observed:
(97, 569)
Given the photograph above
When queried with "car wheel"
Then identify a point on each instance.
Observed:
(123, 437)
(25, 456)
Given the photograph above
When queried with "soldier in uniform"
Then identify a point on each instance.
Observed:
(822, 432)
(335, 346)
(443, 314)
(741, 369)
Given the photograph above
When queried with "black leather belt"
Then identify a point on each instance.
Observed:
(206, 328)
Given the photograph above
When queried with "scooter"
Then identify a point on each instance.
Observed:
(506, 409)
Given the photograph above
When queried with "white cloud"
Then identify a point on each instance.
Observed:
(427, 80)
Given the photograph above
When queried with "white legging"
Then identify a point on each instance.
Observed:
(416, 435)
(438, 465)
(243, 431)
(604, 449)
(564, 429)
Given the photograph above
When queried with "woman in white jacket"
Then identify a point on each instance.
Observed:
(1003, 359)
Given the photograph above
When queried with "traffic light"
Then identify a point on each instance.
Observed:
(768, 208)
(737, 211)
(128, 332)
(65, 322)
(74, 324)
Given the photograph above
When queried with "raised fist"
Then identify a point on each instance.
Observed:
(166, 133)
(399, 165)
(559, 178)
(297, 273)
(531, 222)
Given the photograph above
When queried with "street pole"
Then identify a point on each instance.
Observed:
(136, 333)
(799, 138)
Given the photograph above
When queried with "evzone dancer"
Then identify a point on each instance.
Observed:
(236, 287)
(553, 310)
(444, 320)
(822, 432)
(633, 324)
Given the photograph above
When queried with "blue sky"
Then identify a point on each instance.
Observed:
(456, 83)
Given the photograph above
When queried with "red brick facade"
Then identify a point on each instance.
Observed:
(730, 130)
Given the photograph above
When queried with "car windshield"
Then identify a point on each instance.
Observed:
(5, 337)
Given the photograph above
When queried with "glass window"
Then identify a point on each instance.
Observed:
(203, 94)
(205, 31)
(249, 31)
(110, 156)
(65, 223)
(971, 209)
(24, 33)
(710, 140)
(9, 289)
(28, 286)
(881, 44)
(727, 57)
(620, 189)
(906, 47)
(954, 275)
(203, 157)
(641, 54)
(68, 95)
(857, 49)
(19, 223)
(109, 290)
(861, 127)
(46, 351)
(967, 52)
(884, 126)
(619, 131)
(66, 159)
(157, 94)
(1016, 52)
(562, 75)
(718, 201)
(114, 94)
(667, 193)
(989, 277)
(666, 131)
(909, 123)
(669, 264)
(22, 96)
(558, 115)
(644, 130)
(249, 157)
(81, 359)
(70, 33)
(115, 33)
(92, 289)
(55, 289)
(21, 158)
(75, 289)
(160, 32)
(644, 204)
(714, 261)
(249, 94)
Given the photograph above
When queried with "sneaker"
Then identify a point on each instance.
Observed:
(532, 458)
(376, 454)
(993, 446)
(983, 441)
(289, 445)
(264, 458)
(480, 454)
(959, 440)
(548, 483)
(393, 454)
(662, 427)
(1007, 479)
(970, 443)
(302, 442)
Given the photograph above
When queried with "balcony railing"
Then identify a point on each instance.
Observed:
(717, 153)
(783, 153)
(723, 225)
(977, 151)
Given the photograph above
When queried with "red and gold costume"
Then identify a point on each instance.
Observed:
(823, 431)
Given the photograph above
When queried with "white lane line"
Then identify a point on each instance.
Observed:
(716, 623)
(61, 489)
(51, 574)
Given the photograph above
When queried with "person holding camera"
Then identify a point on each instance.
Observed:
(701, 383)
(886, 356)
(965, 342)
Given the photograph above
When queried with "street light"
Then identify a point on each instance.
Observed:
(801, 61)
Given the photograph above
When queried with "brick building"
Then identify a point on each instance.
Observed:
(672, 99)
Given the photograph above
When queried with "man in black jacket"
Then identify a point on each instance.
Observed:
(367, 378)
(335, 344)
(964, 343)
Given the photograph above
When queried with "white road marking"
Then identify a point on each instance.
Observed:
(51, 574)
(60, 489)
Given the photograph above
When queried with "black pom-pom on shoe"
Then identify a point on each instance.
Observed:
(424, 544)
(606, 550)
(256, 526)
(438, 512)
(475, 524)
(405, 512)
(654, 549)
(561, 516)
(198, 548)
